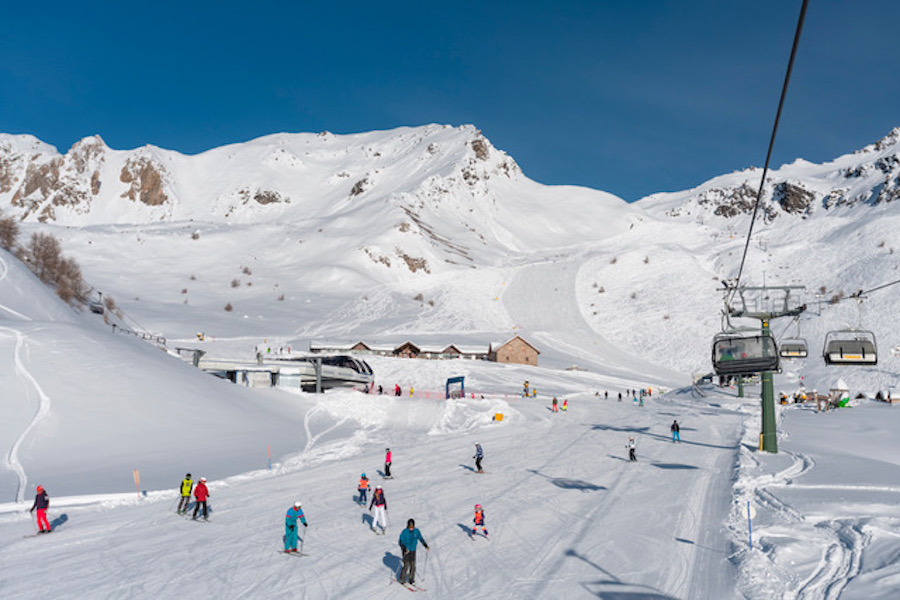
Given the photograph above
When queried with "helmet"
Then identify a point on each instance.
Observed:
(411, 523)
(387, 449)
(363, 475)
(203, 479)
(477, 506)
(187, 476)
(377, 487)
(297, 504)
(40, 488)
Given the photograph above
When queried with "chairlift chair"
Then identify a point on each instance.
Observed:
(742, 354)
(850, 347)
(793, 348)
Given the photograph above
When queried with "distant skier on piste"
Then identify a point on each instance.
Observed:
(363, 488)
(409, 538)
(201, 493)
(479, 455)
(290, 527)
(41, 504)
(380, 504)
(387, 463)
(630, 446)
(676, 432)
(479, 521)
(187, 486)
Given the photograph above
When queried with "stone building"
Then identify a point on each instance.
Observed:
(515, 350)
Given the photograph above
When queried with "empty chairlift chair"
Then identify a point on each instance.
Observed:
(793, 348)
(850, 347)
(734, 354)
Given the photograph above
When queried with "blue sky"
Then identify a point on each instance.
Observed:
(628, 97)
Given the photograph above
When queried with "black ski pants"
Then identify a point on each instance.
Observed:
(197, 508)
(408, 572)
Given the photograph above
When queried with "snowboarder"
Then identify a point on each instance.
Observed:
(290, 527)
(380, 504)
(187, 486)
(387, 464)
(409, 538)
(41, 503)
(363, 488)
(479, 455)
(479, 521)
(555, 403)
(201, 493)
(630, 446)
(676, 432)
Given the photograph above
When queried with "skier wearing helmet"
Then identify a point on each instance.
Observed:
(479, 521)
(201, 493)
(41, 503)
(363, 488)
(187, 486)
(290, 526)
(409, 538)
(380, 504)
(479, 456)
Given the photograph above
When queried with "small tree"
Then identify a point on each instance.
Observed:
(9, 232)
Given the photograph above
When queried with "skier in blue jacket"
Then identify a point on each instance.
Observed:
(409, 538)
(290, 526)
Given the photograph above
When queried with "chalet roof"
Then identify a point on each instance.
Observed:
(495, 347)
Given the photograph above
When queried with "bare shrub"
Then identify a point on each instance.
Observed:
(633, 295)
(614, 260)
(9, 232)
(184, 290)
(229, 307)
(601, 290)
(44, 255)
(246, 271)
(281, 298)
(646, 260)
(193, 278)
(418, 297)
(195, 235)
(822, 289)
(235, 283)
(836, 298)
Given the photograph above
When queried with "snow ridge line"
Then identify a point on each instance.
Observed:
(12, 458)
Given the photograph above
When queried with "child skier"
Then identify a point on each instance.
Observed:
(479, 455)
(409, 538)
(41, 503)
(201, 493)
(565, 405)
(387, 463)
(363, 488)
(676, 432)
(630, 446)
(380, 504)
(187, 486)
(290, 527)
(479, 521)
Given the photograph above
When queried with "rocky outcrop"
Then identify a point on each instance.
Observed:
(145, 179)
(793, 199)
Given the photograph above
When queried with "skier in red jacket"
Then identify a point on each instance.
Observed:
(201, 493)
(41, 502)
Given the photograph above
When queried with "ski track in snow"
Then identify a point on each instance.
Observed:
(840, 541)
(12, 457)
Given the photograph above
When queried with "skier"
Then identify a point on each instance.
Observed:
(676, 432)
(363, 488)
(479, 521)
(479, 455)
(380, 503)
(606, 394)
(187, 485)
(630, 446)
(387, 464)
(201, 493)
(290, 527)
(409, 538)
(41, 503)
(620, 396)
(555, 408)
(565, 405)
(397, 390)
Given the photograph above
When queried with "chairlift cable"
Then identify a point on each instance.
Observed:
(762, 183)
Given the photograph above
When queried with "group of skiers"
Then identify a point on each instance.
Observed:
(201, 493)
(675, 428)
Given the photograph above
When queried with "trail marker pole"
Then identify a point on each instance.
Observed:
(137, 483)
(269, 449)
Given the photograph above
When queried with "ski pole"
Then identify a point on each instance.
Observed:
(425, 566)
(303, 539)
